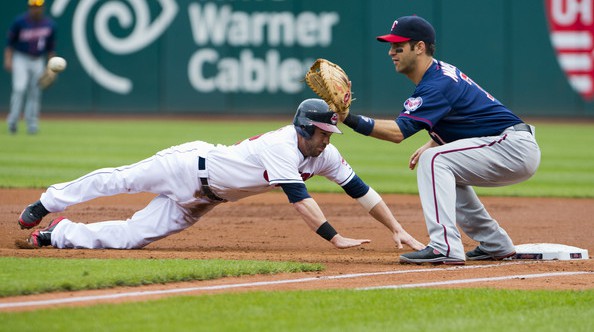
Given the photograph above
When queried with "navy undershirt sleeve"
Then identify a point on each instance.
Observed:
(356, 187)
(296, 192)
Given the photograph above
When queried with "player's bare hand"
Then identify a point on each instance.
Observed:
(414, 159)
(342, 242)
(402, 237)
(8, 65)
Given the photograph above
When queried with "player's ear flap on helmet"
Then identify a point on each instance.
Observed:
(305, 131)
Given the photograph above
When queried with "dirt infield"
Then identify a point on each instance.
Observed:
(266, 227)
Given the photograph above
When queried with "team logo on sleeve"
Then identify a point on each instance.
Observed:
(344, 162)
(571, 25)
(411, 104)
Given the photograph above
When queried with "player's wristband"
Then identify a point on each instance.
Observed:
(361, 124)
(326, 231)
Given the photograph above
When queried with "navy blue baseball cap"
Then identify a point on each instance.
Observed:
(410, 28)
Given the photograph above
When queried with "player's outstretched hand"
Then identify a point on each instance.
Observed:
(402, 237)
(342, 242)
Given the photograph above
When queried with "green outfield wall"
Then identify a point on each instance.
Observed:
(249, 56)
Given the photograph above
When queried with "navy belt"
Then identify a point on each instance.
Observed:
(204, 182)
(522, 127)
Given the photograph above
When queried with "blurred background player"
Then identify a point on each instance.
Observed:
(30, 42)
(192, 178)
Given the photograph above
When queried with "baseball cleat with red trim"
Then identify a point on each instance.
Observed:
(43, 237)
(32, 215)
(429, 255)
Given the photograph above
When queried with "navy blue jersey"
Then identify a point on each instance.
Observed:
(451, 106)
(31, 37)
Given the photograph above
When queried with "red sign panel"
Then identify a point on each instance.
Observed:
(571, 25)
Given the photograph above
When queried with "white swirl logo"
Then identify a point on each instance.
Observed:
(144, 32)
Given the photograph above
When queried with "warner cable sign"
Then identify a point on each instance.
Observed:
(571, 24)
(220, 25)
(215, 26)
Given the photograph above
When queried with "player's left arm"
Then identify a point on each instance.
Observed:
(372, 202)
(414, 158)
(337, 169)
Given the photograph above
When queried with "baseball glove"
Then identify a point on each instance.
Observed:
(332, 84)
(47, 79)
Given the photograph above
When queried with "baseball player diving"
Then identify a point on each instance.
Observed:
(475, 141)
(191, 179)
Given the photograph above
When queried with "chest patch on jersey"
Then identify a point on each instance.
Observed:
(411, 104)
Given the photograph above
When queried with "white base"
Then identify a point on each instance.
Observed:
(549, 251)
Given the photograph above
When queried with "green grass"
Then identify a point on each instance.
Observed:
(67, 149)
(337, 310)
(57, 274)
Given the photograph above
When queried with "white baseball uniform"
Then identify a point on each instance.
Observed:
(253, 166)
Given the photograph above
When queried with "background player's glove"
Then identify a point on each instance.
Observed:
(332, 84)
(47, 79)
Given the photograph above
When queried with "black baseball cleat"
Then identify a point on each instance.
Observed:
(32, 215)
(478, 255)
(429, 255)
(43, 237)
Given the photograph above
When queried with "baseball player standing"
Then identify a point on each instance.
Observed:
(192, 178)
(31, 41)
(475, 141)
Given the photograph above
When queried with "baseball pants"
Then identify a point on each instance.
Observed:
(446, 174)
(26, 71)
(171, 174)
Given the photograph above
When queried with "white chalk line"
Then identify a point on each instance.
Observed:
(468, 281)
(244, 285)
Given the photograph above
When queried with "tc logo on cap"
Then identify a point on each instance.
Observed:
(394, 25)
(407, 28)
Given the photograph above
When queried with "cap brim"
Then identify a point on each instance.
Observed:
(327, 127)
(392, 38)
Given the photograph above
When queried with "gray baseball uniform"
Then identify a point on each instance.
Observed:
(31, 38)
(481, 143)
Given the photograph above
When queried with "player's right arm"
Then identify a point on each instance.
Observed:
(13, 35)
(8, 59)
(387, 130)
(314, 217)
